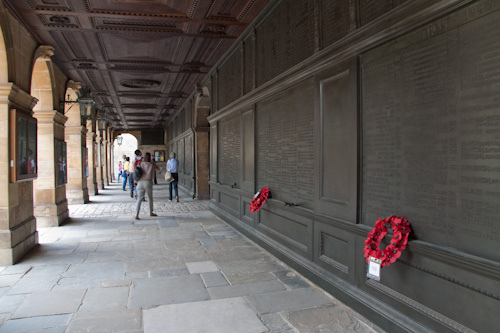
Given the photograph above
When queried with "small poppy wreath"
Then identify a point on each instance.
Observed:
(259, 199)
(401, 228)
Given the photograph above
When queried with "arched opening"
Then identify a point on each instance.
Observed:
(4, 74)
(202, 145)
(51, 205)
(128, 146)
(75, 137)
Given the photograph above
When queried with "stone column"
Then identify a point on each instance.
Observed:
(76, 189)
(93, 189)
(105, 166)
(98, 169)
(51, 205)
(18, 232)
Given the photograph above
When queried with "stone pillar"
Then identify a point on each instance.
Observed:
(98, 170)
(105, 166)
(51, 205)
(92, 187)
(18, 232)
(76, 189)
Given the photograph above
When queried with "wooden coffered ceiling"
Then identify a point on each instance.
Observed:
(140, 58)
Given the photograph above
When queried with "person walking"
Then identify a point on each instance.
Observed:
(125, 172)
(120, 169)
(145, 184)
(173, 167)
(133, 183)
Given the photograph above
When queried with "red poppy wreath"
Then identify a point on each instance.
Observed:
(401, 228)
(259, 199)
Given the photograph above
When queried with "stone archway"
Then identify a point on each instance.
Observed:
(202, 144)
(51, 205)
(75, 136)
(18, 232)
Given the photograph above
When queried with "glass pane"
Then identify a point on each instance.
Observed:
(61, 162)
(32, 148)
(22, 142)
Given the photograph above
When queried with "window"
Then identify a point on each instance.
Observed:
(23, 159)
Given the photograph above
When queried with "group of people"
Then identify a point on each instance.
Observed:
(144, 185)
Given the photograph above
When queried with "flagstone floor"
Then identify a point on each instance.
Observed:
(182, 271)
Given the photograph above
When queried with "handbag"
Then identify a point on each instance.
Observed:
(168, 177)
(138, 173)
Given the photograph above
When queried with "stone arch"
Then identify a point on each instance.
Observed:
(4, 68)
(202, 143)
(72, 110)
(202, 108)
(51, 204)
(42, 80)
(6, 61)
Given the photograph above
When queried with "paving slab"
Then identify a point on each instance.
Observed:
(245, 289)
(104, 271)
(45, 324)
(9, 280)
(276, 323)
(214, 279)
(44, 271)
(105, 299)
(291, 279)
(50, 303)
(288, 300)
(327, 319)
(128, 320)
(169, 272)
(215, 316)
(28, 285)
(167, 290)
(201, 267)
(10, 303)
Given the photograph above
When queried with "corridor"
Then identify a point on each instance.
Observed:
(183, 271)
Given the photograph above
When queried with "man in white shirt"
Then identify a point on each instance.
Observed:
(173, 166)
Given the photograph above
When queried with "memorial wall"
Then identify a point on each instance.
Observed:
(350, 111)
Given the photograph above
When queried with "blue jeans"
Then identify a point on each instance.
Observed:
(174, 185)
(124, 175)
(131, 184)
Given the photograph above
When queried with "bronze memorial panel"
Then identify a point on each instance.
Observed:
(369, 10)
(431, 131)
(286, 40)
(335, 21)
(285, 145)
(230, 151)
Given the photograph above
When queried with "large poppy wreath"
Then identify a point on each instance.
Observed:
(259, 199)
(401, 228)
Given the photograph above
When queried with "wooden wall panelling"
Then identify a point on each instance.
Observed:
(337, 133)
(285, 40)
(229, 201)
(334, 250)
(249, 64)
(213, 153)
(285, 144)
(230, 151)
(292, 230)
(248, 148)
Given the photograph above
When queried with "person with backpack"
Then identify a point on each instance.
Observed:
(137, 160)
(144, 172)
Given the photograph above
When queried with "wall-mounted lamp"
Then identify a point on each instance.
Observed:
(102, 121)
(119, 140)
(86, 104)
